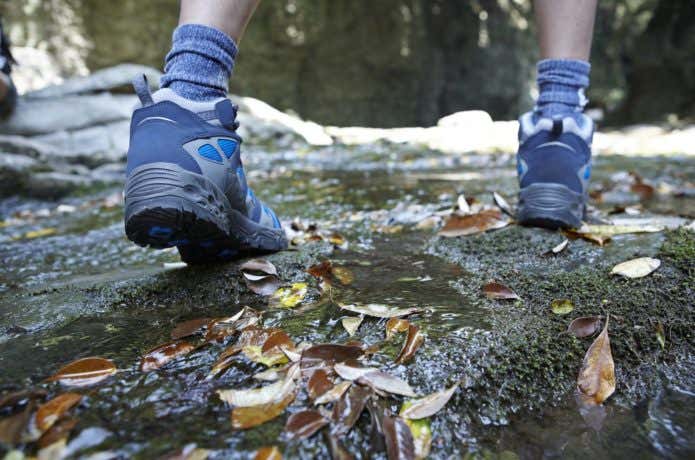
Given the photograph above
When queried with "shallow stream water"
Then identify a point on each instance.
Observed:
(55, 306)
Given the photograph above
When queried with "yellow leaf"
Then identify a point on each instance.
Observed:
(289, 297)
(39, 233)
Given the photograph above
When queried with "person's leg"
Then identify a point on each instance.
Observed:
(185, 183)
(554, 159)
(204, 47)
(8, 92)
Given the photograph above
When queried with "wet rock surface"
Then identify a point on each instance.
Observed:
(72, 286)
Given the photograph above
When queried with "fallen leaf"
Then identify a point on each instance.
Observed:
(268, 453)
(499, 291)
(395, 325)
(386, 382)
(351, 323)
(349, 372)
(561, 306)
(343, 275)
(338, 452)
(596, 380)
(249, 417)
(348, 408)
(502, 204)
(221, 328)
(258, 267)
(338, 240)
(59, 431)
(399, 439)
(303, 424)
(379, 310)
(462, 205)
(412, 342)
(334, 393)
(456, 225)
(645, 191)
(325, 355)
(660, 335)
(594, 238)
(161, 355)
(265, 346)
(428, 405)
(12, 427)
(190, 327)
(49, 412)
(612, 230)
(260, 276)
(258, 396)
(421, 432)
(189, 452)
(289, 297)
(272, 374)
(319, 383)
(83, 372)
(40, 233)
(557, 249)
(16, 397)
(584, 326)
(53, 451)
(636, 268)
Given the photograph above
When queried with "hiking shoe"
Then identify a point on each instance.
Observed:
(185, 183)
(554, 166)
(8, 92)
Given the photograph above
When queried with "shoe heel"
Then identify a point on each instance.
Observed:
(167, 206)
(551, 206)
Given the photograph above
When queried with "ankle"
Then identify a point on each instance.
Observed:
(200, 63)
(561, 84)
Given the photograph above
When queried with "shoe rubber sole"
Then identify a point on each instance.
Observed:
(167, 206)
(550, 206)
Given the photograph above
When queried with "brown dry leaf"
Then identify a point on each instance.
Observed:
(319, 383)
(395, 325)
(636, 268)
(489, 219)
(584, 326)
(399, 439)
(429, 405)
(221, 328)
(596, 380)
(413, 341)
(15, 397)
(268, 453)
(324, 355)
(660, 335)
(348, 408)
(499, 291)
(190, 327)
(333, 394)
(351, 323)
(338, 452)
(260, 276)
(338, 240)
(645, 191)
(60, 430)
(161, 355)
(12, 427)
(503, 204)
(386, 382)
(258, 267)
(249, 417)
(327, 274)
(83, 372)
(49, 412)
(379, 310)
(302, 425)
(593, 238)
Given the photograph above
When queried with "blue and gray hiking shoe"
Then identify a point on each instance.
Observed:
(185, 183)
(554, 165)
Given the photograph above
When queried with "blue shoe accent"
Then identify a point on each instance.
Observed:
(554, 167)
(185, 174)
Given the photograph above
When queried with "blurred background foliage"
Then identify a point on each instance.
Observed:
(391, 62)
